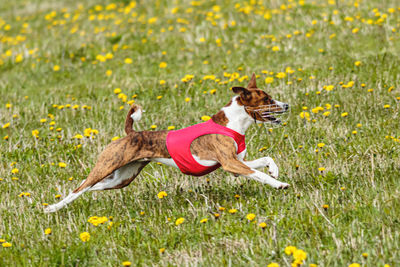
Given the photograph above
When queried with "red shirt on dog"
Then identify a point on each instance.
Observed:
(179, 141)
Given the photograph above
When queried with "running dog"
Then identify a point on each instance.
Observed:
(196, 150)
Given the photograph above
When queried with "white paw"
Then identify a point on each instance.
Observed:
(273, 168)
(283, 186)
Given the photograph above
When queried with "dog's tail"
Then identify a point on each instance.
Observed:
(134, 114)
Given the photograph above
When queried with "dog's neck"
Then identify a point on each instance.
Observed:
(234, 117)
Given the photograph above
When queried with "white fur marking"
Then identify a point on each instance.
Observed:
(119, 175)
(137, 115)
(238, 119)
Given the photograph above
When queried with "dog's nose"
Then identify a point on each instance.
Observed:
(286, 106)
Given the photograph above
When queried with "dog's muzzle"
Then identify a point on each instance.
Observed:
(272, 113)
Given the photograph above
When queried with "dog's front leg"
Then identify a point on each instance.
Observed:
(264, 162)
(236, 166)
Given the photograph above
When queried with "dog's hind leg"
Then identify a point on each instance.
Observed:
(118, 179)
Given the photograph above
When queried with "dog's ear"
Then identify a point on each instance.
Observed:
(252, 83)
(241, 90)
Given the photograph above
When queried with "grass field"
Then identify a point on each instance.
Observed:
(69, 70)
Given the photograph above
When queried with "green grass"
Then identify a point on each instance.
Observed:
(360, 182)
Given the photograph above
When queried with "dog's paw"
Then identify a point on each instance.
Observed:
(284, 186)
(273, 168)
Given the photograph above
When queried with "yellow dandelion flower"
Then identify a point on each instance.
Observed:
(162, 250)
(128, 60)
(47, 231)
(205, 118)
(232, 211)
(273, 264)
(357, 63)
(162, 194)
(187, 99)
(386, 106)
(159, 97)
(179, 221)
(115, 138)
(62, 165)
(289, 250)
(250, 216)
(204, 220)
(5, 126)
(19, 58)
(56, 68)
(109, 73)
(85, 236)
(355, 265)
(171, 127)
(269, 80)
(162, 82)
(263, 225)
(14, 171)
(275, 48)
(321, 169)
(153, 126)
(126, 263)
(6, 245)
(344, 114)
(163, 65)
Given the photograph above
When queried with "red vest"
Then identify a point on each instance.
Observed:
(179, 141)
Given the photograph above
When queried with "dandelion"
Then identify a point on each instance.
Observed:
(357, 63)
(108, 73)
(232, 211)
(280, 75)
(386, 106)
(290, 249)
(117, 91)
(14, 171)
(5, 126)
(62, 165)
(221, 208)
(163, 65)
(171, 127)
(250, 216)
(263, 225)
(204, 220)
(269, 80)
(321, 169)
(299, 255)
(126, 263)
(162, 250)
(344, 114)
(187, 99)
(273, 264)
(115, 138)
(305, 115)
(97, 220)
(355, 265)
(85, 236)
(162, 194)
(321, 145)
(162, 82)
(159, 97)
(179, 221)
(47, 231)
(326, 113)
(19, 58)
(56, 68)
(325, 206)
(275, 48)
(6, 245)
(365, 255)
(128, 60)
(205, 118)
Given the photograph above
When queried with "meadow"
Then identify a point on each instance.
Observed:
(69, 71)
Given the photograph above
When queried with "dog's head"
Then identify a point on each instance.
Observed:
(258, 104)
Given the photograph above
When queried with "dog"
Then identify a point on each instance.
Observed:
(196, 150)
